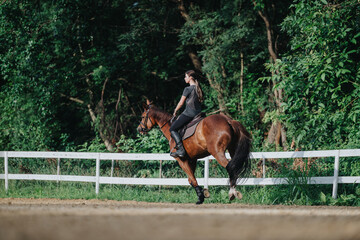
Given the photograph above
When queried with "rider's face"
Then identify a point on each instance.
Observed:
(187, 78)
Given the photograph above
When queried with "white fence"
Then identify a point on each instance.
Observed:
(205, 181)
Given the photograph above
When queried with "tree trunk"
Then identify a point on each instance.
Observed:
(183, 11)
(191, 52)
(269, 35)
(278, 93)
(93, 117)
(220, 96)
(103, 137)
(195, 60)
(242, 84)
(102, 126)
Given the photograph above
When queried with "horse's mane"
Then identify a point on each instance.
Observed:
(160, 114)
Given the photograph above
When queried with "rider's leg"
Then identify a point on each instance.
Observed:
(181, 121)
(180, 151)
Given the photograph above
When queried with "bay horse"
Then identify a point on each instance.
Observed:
(214, 135)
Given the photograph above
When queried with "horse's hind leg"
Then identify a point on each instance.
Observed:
(220, 157)
(232, 192)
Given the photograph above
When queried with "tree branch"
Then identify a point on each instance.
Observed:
(183, 11)
(72, 98)
(272, 52)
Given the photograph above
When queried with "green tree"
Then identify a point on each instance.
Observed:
(27, 116)
(321, 74)
(77, 71)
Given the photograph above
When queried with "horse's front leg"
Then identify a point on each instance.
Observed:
(200, 194)
(189, 168)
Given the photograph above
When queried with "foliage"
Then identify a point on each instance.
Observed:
(153, 142)
(323, 65)
(72, 72)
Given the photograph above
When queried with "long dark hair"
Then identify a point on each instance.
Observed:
(199, 92)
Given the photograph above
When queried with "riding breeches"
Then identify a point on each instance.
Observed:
(180, 122)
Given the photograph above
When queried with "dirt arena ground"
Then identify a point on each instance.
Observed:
(93, 219)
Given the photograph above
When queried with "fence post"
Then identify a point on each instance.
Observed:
(58, 170)
(6, 171)
(336, 174)
(112, 168)
(263, 167)
(206, 173)
(97, 183)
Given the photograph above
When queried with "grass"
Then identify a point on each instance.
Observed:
(264, 195)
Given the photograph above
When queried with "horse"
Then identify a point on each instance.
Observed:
(213, 136)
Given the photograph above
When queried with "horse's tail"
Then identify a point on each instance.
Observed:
(239, 165)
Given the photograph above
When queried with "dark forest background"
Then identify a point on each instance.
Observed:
(74, 74)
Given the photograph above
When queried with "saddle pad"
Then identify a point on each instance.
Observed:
(190, 131)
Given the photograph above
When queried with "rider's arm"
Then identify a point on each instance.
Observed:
(180, 104)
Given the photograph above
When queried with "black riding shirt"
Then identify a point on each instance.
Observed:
(193, 106)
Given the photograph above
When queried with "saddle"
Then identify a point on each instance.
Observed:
(189, 129)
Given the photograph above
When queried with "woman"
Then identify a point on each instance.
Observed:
(193, 97)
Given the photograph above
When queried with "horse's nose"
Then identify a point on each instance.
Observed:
(140, 130)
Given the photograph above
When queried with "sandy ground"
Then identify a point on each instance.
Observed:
(93, 219)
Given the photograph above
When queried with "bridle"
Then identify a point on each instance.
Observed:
(143, 123)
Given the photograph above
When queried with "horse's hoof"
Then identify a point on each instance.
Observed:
(206, 193)
(199, 202)
(238, 195)
(231, 197)
(200, 199)
(232, 193)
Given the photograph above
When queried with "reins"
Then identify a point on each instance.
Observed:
(164, 124)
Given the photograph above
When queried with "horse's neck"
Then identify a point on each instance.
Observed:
(166, 130)
(164, 125)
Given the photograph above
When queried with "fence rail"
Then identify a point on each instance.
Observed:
(205, 181)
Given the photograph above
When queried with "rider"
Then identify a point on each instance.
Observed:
(193, 96)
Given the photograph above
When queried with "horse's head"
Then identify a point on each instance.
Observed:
(147, 122)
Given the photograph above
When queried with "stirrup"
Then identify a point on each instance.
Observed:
(176, 155)
(179, 153)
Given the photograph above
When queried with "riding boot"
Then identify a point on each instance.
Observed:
(180, 151)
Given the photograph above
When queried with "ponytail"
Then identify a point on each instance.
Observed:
(199, 92)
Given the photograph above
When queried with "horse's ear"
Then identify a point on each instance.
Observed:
(148, 102)
(147, 105)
